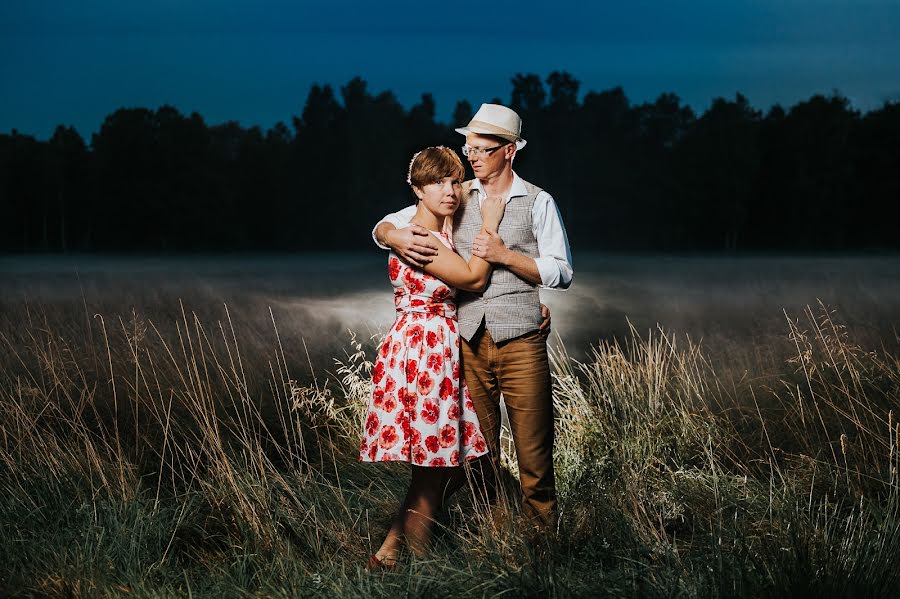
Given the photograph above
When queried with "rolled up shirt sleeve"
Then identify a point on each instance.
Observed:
(554, 261)
(398, 219)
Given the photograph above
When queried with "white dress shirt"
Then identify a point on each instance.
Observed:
(554, 261)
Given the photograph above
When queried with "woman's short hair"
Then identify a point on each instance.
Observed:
(433, 164)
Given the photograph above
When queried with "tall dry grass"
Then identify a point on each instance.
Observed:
(153, 461)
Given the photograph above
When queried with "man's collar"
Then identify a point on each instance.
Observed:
(516, 189)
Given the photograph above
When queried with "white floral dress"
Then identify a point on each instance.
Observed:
(420, 410)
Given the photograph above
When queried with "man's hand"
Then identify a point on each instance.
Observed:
(545, 324)
(413, 244)
(488, 246)
(492, 209)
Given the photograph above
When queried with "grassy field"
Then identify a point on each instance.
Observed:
(184, 458)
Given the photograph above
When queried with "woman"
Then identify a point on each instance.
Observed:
(420, 410)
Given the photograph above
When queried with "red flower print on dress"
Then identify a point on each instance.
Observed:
(408, 399)
(416, 302)
(425, 383)
(451, 325)
(413, 281)
(435, 362)
(479, 444)
(378, 372)
(393, 268)
(385, 348)
(446, 388)
(372, 424)
(378, 398)
(390, 403)
(469, 431)
(419, 455)
(441, 293)
(373, 451)
(448, 353)
(415, 437)
(402, 420)
(430, 412)
(395, 348)
(414, 335)
(453, 411)
(388, 437)
(435, 337)
(389, 384)
(431, 443)
(454, 458)
(456, 371)
(438, 462)
(448, 435)
(412, 369)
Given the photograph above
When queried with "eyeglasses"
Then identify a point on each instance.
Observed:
(468, 151)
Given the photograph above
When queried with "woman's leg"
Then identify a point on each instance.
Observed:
(393, 542)
(422, 505)
(417, 514)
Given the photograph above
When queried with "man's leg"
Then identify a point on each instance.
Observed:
(523, 374)
(478, 360)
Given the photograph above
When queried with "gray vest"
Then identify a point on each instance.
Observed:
(509, 306)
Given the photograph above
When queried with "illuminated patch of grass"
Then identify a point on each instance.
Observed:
(137, 461)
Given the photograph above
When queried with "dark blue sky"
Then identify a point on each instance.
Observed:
(75, 62)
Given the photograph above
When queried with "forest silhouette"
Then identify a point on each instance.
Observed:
(819, 176)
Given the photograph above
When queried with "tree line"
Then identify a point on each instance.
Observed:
(633, 177)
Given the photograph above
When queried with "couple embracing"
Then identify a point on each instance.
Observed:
(466, 262)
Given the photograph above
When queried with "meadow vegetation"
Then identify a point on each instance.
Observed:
(145, 461)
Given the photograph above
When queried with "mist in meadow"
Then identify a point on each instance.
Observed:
(735, 307)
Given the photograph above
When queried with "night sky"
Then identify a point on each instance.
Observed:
(69, 62)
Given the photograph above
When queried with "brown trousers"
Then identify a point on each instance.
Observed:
(520, 370)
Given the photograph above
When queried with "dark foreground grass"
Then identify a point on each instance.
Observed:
(137, 462)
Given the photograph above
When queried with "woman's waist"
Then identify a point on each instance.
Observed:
(424, 304)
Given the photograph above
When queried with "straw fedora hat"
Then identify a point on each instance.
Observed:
(496, 120)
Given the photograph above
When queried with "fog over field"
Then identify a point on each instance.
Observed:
(734, 306)
(162, 417)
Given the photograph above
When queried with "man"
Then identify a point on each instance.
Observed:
(503, 351)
